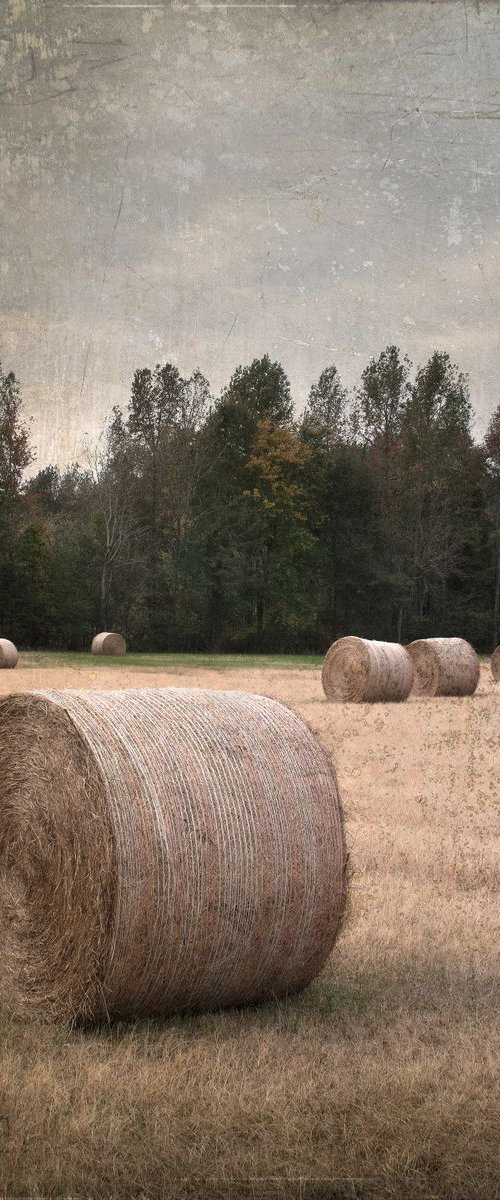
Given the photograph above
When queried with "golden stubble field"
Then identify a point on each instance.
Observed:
(383, 1078)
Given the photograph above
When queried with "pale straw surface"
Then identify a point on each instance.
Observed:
(109, 643)
(163, 850)
(444, 667)
(495, 664)
(361, 670)
(8, 654)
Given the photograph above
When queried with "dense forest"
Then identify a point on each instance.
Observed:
(228, 523)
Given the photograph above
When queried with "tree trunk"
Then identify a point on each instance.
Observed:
(104, 594)
(400, 624)
(260, 615)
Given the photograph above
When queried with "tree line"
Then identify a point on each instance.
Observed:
(202, 523)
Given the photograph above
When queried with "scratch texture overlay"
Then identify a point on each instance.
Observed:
(192, 182)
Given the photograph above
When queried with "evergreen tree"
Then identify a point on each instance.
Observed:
(256, 394)
(437, 483)
(327, 413)
(382, 397)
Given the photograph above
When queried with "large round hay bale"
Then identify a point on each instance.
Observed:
(358, 669)
(444, 667)
(495, 664)
(161, 850)
(109, 643)
(8, 654)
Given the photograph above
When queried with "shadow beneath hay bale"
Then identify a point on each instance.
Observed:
(414, 988)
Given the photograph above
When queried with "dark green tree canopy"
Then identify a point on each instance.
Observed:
(327, 412)
(438, 404)
(382, 397)
(235, 523)
(263, 390)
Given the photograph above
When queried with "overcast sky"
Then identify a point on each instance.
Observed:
(204, 183)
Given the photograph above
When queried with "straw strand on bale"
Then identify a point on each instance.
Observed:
(444, 667)
(8, 654)
(161, 850)
(495, 664)
(109, 643)
(361, 670)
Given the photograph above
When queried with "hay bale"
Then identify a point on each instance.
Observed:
(358, 669)
(8, 655)
(444, 667)
(109, 643)
(495, 664)
(161, 850)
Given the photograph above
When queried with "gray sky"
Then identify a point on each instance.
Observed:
(204, 183)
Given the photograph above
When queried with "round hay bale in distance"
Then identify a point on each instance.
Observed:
(162, 850)
(358, 669)
(495, 664)
(109, 643)
(444, 667)
(8, 655)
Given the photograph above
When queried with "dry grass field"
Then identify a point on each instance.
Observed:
(383, 1078)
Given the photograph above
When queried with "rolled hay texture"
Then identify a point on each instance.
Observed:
(444, 667)
(109, 643)
(8, 654)
(361, 670)
(162, 850)
(495, 664)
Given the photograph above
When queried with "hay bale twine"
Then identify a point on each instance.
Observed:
(358, 669)
(8, 655)
(444, 667)
(108, 643)
(162, 850)
(495, 664)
